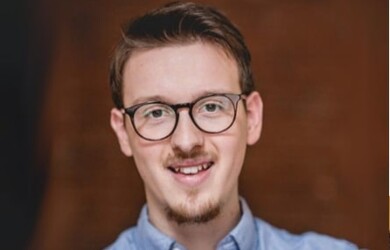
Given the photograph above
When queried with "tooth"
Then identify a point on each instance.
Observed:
(190, 170)
(185, 170)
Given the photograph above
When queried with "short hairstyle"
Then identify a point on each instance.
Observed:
(180, 23)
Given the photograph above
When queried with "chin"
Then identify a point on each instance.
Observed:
(193, 212)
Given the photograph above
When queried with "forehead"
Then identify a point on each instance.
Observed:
(179, 73)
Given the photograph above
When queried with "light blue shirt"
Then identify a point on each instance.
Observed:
(249, 234)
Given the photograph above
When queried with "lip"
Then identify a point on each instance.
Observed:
(191, 180)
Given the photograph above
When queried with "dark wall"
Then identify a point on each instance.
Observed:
(23, 62)
(321, 164)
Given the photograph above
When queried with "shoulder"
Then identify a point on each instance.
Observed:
(270, 236)
(124, 241)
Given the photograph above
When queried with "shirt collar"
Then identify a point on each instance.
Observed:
(243, 234)
(149, 237)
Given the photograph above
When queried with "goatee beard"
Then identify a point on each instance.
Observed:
(182, 216)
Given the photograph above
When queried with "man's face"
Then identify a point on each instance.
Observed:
(181, 74)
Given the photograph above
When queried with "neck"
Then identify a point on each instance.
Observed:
(203, 235)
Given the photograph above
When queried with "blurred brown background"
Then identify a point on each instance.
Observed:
(321, 164)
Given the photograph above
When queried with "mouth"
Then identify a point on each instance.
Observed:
(190, 170)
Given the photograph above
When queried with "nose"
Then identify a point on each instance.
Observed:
(186, 136)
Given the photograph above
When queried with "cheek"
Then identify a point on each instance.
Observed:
(239, 130)
(146, 157)
(232, 148)
(237, 146)
(237, 152)
(149, 168)
(143, 166)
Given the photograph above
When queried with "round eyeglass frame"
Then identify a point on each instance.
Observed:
(233, 98)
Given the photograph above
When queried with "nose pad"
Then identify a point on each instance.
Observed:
(186, 135)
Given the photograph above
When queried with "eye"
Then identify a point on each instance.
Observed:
(211, 107)
(155, 111)
(215, 106)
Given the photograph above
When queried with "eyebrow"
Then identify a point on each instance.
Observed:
(155, 98)
(159, 98)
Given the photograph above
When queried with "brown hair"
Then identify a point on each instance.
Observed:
(178, 23)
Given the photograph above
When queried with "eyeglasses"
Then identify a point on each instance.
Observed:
(154, 121)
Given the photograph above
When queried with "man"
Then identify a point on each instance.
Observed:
(186, 108)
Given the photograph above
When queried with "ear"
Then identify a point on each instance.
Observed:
(254, 110)
(118, 125)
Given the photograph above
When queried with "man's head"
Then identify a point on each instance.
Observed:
(178, 24)
(186, 109)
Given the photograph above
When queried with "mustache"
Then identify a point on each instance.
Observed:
(194, 154)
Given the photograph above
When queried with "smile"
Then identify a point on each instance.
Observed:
(191, 170)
